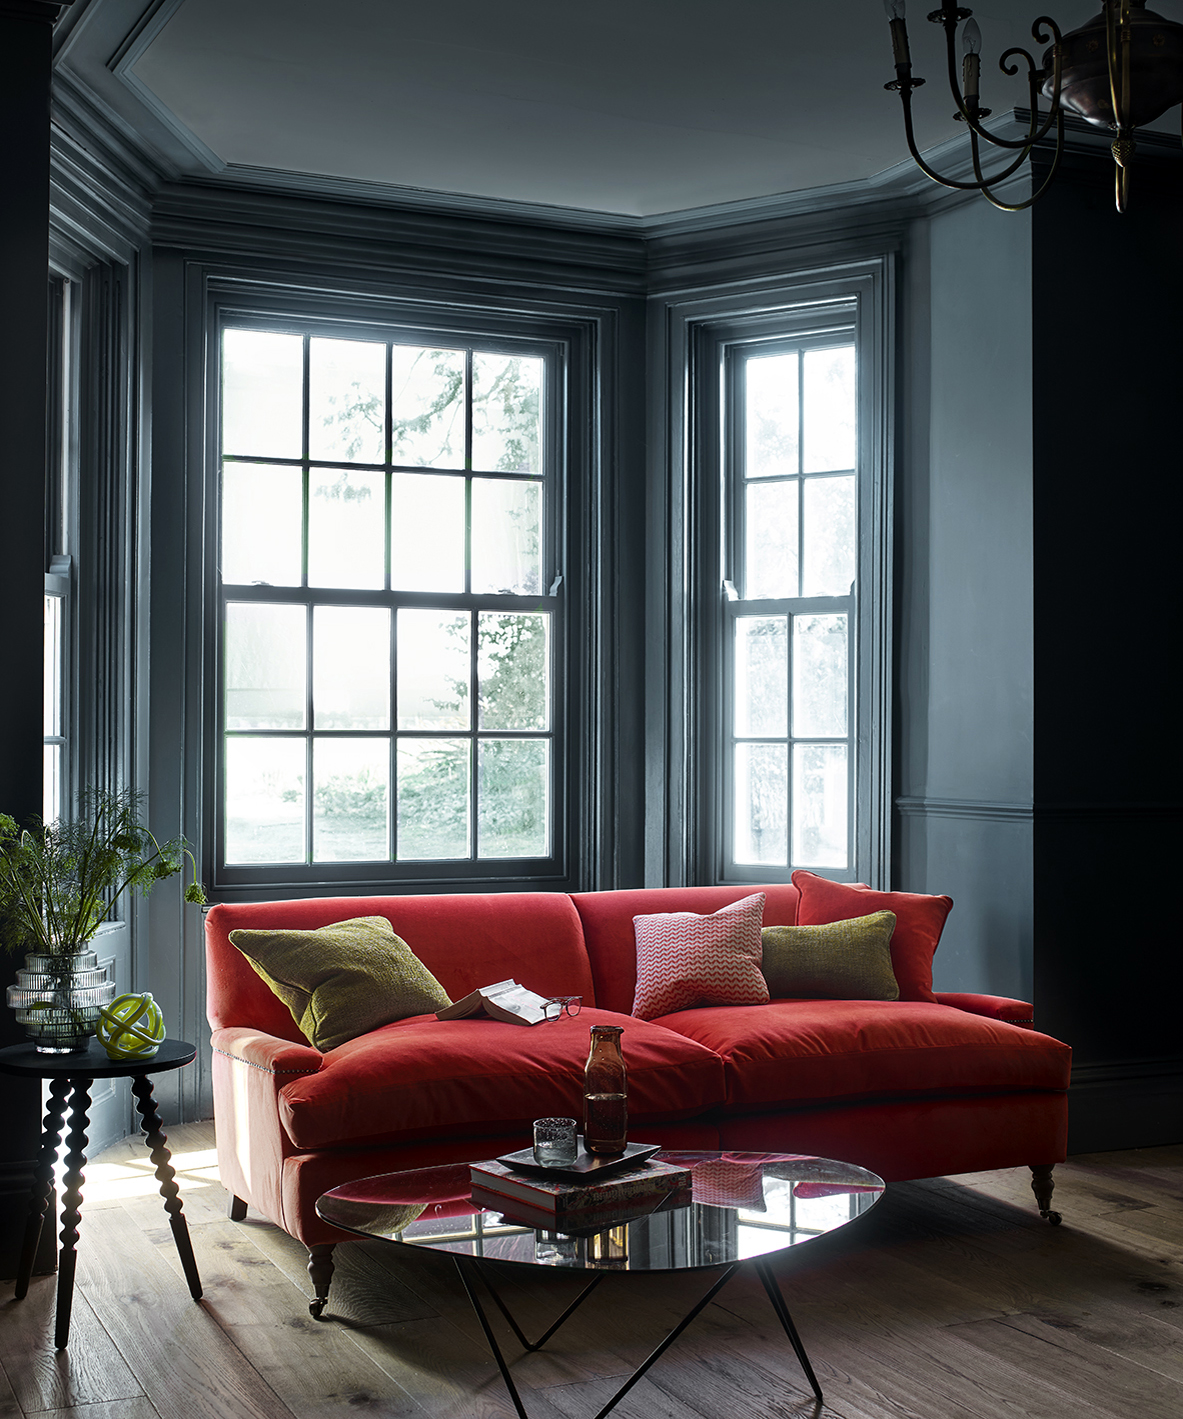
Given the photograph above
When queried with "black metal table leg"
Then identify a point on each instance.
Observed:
(154, 1136)
(546, 1335)
(492, 1339)
(55, 1115)
(637, 1374)
(764, 1270)
(71, 1204)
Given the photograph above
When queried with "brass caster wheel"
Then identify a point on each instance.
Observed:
(315, 1308)
(1053, 1217)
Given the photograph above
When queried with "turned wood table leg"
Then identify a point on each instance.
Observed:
(320, 1271)
(1043, 1185)
(55, 1115)
(71, 1205)
(154, 1137)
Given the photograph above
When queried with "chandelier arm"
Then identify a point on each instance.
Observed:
(1043, 186)
(1117, 36)
(910, 135)
(970, 117)
(984, 183)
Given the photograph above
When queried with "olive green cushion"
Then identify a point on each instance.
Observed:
(842, 960)
(343, 980)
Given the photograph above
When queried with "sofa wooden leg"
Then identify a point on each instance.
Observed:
(236, 1208)
(1043, 1185)
(320, 1269)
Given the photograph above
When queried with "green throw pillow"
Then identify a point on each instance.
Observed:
(843, 960)
(343, 980)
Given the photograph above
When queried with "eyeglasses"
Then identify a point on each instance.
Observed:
(559, 1005)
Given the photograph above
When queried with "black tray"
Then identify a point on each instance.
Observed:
(586, 1165)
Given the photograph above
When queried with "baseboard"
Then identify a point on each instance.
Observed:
(1126, 1104)
(16, 1181)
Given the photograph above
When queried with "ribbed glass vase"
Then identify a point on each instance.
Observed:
(57, 1000)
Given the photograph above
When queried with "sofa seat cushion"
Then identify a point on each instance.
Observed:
(792, 1053)
(423, 1078)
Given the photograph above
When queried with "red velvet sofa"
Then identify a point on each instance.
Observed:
(909, 1089)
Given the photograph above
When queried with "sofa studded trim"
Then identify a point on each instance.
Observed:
(225, 1053)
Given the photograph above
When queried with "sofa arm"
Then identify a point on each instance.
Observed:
(249, 1069)
(266, 1052)
(994, 1007)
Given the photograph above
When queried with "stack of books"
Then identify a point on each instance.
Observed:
(560, 1206)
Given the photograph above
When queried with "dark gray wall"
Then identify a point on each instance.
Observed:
(964, 628)
(1108, 766)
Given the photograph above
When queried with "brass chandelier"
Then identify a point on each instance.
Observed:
(1120, 70)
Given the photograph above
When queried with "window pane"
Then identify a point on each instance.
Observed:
(819, 805)
(761, 804)
(264, 799)
(51, 782)
(346, 528)
(426, 533)
(266, 666)
(513, 670)
(829, 409)
(51, 668)
(350, 799)
(434, 666)
(351, 667)
(427, 395)
(761, 674)
(512, 794)
(770, 415)
(347, 401)
(262, 393)
(819, 675)
(506, 537)
(433, 798)
(770, 540)
(262, 524)
(830, 540)
(506, 413)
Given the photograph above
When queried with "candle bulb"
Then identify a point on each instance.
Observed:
(899, 34)
(971, 38)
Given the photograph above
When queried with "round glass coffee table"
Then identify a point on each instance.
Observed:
(746, 1207)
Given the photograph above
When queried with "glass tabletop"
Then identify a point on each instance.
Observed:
(743, 1205)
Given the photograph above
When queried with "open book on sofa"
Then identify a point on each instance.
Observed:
(504, 1001)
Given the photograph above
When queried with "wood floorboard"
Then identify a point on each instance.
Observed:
(91, 1371)
(1097, 1381)
(187, 1365)
(140, 1408)
(9, 1408)
(951, 1300)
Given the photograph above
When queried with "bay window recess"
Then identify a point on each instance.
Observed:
(389, 605)
(792, 406)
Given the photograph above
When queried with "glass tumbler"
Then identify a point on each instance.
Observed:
(555, 1144)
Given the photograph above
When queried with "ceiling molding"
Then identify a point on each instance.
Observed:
(122, 66)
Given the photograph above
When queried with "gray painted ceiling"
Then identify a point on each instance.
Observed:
(635, 107)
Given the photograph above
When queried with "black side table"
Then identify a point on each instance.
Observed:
(70, 1077)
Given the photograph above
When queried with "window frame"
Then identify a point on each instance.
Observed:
(813, 308)
(566, 351)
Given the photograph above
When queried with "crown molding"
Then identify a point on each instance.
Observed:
(47, 10)
(206, 217)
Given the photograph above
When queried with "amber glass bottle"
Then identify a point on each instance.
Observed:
(605, 1093)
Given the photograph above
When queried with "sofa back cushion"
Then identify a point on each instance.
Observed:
(611, 938)
(920, 919)
(464, 940)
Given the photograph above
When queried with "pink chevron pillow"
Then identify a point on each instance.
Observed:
(684, 960)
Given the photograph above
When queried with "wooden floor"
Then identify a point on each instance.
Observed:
(951, 1299)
